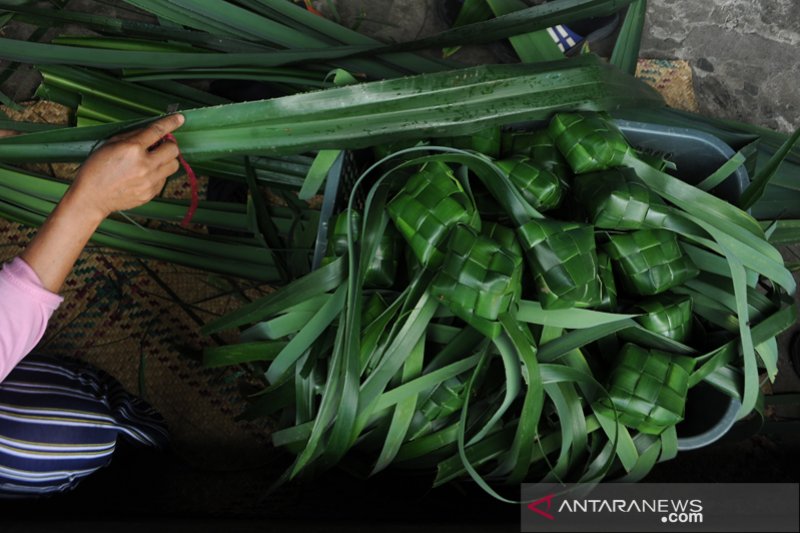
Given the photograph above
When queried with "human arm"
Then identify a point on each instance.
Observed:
(122, 174)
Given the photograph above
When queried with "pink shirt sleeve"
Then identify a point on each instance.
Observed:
(25, 308)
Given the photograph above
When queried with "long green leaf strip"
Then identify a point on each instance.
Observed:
(438, 366)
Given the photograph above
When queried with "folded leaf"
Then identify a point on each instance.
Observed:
(382, 266)
(608, 294)
(337, 240)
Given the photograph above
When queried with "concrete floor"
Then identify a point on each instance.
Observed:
(745, 55)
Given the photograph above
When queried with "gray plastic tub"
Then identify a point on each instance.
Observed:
(696, 154)
(709, 415)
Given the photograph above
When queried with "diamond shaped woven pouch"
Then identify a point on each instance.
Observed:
(503, 236)
(563, 259)
(589, 141)
(669, 315)
(649, 261)
(427, 207)
(479, 279)
(617, 199)
(540, 148)
(648, 388)
(540, 187)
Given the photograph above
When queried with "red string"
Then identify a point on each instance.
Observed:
(312, 9)
(192, 183)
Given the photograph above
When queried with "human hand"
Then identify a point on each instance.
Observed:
(8, 133)
(125, 173)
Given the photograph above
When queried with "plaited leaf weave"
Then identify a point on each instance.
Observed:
(648, 388)
(617, 199)
(427, 207)
(563, 259)
(540, 187)
(649, 261)
(589, 141)
(668, 315)
(540, 148)
(479, 279)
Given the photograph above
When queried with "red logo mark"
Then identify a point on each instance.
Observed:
(535, 506)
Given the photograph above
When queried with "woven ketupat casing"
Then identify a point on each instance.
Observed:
(413, 266)
(617, 199)
(382, 266)
(668, 315)
(479, 279)
(608, 296)
(503, 236)
(589, 142)
(337, 240)
(540, 187)
(648, 388)
(649, 261)
(486, 141)
(540, 148)
(427, 207)
(446, 399)
(563, 259)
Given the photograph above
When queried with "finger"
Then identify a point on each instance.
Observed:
(164, 153)
(123, 136)
(155, 131)
(167, 169)
(158, 177)
(8, 133)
